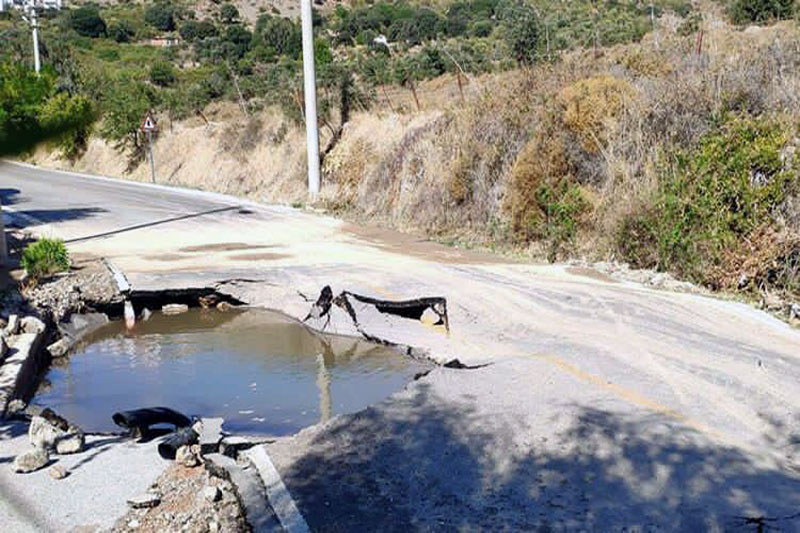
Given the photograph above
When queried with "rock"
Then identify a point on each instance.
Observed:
(31, 461)
(771, 302)
(31, 324)
(794, 311)
(72, 442)
(213, 527)
(145, 501)
(224, 306)
(146, 314)
(188, 456)
(174, 309)
(212, 493)
(744, 281)
(48, 431)
(133, 524)
(207, 302)
(58, 472)
(12, 328)
(59, 348)
(15, 406)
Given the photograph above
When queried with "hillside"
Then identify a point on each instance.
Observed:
(667, 146)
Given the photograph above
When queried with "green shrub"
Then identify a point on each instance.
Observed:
(711, 200)
(86, 21)
(161, 16)
(162, 73)
(747, 11)
(44, 258)
(121, 31)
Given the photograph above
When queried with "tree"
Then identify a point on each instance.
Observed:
(124, 105)
(121, 31)
(161, 16)
(197, 30)
(281, 34)
(228, 14)
(86, 21)
(747, 11)
(32, 110)
(162, 73)
(521, 30)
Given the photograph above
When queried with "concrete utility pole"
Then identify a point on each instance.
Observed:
(310, 86)
(3, 244)
(30, 8)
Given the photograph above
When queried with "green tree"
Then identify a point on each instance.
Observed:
(228, 14)
(161, 16)
(197, 30)
(162, 73)
(121, 31)
(521, 30)
(32, 110)
(747, 11)
(86, 21)
(124, 105)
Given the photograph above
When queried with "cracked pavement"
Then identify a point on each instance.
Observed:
(605, 406)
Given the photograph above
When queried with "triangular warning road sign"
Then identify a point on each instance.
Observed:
(148, 124)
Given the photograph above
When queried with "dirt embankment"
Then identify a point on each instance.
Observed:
(571, 159)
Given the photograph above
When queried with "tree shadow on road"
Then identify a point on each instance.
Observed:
(49, 216)
(419, 462)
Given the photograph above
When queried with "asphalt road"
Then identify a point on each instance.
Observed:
(605, 405)
(81, 205)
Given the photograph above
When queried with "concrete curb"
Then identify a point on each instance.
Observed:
(279, 497)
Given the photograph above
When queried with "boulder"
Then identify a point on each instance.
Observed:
(188, 455)
(48, 431)
(174, 309)
(794, 311)
(12, 328)
(212, 493)
(31, 324)
(58, 472)
(145, 501)
(59, 348)
(31, 461)
(72, 442)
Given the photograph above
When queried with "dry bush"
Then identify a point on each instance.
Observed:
(591, 107)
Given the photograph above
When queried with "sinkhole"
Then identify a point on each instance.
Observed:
(264, 373)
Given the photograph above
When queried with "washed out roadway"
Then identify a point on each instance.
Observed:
(605, 405)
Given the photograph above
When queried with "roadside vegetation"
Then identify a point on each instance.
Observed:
(43, 258)
(658, 134)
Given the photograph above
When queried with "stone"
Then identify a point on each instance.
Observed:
(31, 324)
(133, 524)
(213, 527)
(145, 501)
(72, 442)
(146, 314)
(42, 434)
(48, 431)
(206, 302)
(224, 306)
(794, 311)
(212, 493)
(58, 472)
(15, 406)
(12, 328)
(31, 461)
(59, 348)
(187, 456)
(174, 309)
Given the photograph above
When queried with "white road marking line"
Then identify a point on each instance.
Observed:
(279, 497)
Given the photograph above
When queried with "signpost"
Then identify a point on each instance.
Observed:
(148, 127)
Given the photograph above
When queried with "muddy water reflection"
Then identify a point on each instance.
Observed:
(260, 371)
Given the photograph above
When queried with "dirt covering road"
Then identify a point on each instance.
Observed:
(604, 405)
